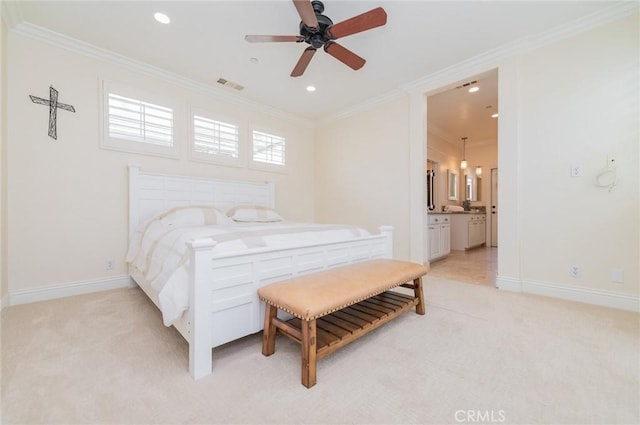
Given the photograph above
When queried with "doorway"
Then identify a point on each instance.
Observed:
(462, 128)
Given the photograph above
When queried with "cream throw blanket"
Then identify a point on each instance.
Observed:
(161, 253)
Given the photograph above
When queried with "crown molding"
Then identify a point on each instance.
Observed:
(488, 60)
(35, 32)
(10, 13)
(619, 11)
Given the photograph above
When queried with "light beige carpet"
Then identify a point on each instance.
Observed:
(479, 355)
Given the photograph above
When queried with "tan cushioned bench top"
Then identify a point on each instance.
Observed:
(315, 295)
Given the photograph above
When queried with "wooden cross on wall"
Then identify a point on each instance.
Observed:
(53, 109)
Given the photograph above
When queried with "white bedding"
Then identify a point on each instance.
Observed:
(160, 254)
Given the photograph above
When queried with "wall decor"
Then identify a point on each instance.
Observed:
(53, 109)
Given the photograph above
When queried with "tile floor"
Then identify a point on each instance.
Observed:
(478, 265)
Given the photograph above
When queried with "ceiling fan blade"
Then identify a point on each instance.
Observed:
(365, 21)
(344, 55)
(306, 12)
(303, 62)
(271, 38)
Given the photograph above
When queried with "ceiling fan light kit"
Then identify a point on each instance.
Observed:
(318, 31)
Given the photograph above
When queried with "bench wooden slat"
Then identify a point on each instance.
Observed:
(392, 297)
(372, 309)
(327, 341)
(344, 324)
(350, 318)
(372, 317)
(332, 328)
(377, 305)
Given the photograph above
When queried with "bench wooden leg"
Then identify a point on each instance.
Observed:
(418, 293)
(309, 353)
(269, 333)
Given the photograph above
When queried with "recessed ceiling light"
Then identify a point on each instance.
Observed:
(474, 89)
(161, 17)
(494, 115)
(311, 88)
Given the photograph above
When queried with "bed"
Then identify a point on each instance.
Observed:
(219, 285)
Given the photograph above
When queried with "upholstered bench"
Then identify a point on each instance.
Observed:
(337, 306)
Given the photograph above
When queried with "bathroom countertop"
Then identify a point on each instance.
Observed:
(456, 212)
(468, 212)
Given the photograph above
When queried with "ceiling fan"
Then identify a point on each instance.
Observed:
(317, 30)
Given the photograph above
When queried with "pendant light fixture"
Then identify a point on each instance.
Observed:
(463, 163)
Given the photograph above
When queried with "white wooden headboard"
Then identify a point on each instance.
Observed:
(152, 193)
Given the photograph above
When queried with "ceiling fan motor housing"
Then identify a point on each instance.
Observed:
(316, 36)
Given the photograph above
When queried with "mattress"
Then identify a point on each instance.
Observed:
(160, 252)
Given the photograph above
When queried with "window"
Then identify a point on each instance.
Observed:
(268, 149)
(135, 125)
(139, 121)
(215, 140)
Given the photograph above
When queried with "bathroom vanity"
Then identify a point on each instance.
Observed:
(468, 230)
(439, 236)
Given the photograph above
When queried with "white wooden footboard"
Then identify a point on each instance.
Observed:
(224, 305)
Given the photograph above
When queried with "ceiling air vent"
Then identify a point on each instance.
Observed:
(230, 84)
(467, 84)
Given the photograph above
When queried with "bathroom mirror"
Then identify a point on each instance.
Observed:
(472, 182)
(469, 192)
(452, 185)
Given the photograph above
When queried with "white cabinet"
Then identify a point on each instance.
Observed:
(477, 232)
(468, 231)
(439, 236)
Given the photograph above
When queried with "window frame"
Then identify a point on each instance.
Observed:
(215, 158)
(265, 166)
(130, 145)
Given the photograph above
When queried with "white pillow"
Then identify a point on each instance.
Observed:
(193, 215)
(254, 214)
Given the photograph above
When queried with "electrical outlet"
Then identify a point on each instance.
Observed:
(576, 171)
(108, 265)
(617, 276)
(575, 271)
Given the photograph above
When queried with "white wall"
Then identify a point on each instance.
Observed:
(362, 176)
(4, 288)
(67, 198)
(579, 103)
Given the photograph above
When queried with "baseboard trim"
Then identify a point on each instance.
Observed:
(508, 284)
(27, 296)
(584, 295)
(572, 293)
